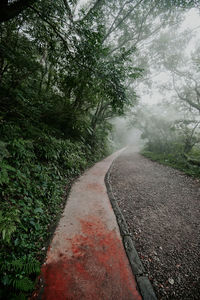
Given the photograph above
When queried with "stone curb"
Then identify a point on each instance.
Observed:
(145, 287)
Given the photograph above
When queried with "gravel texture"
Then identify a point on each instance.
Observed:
(162, 209)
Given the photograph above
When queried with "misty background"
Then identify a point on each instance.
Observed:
(157, 94)
(164, 100)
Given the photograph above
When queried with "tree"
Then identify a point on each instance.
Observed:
(182, 68)
(57, 90)
(165, 132)
(189, 132)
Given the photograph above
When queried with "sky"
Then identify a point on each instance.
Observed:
(192, 22)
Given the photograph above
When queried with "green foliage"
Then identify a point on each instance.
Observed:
(33, 174)
(174, 142)
(175, 161)
(165, 136)
(58, 89)
(8, 222)
(17, 276)
(25, 264)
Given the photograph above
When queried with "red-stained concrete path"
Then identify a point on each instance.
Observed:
(86, 259)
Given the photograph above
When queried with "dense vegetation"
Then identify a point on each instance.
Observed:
(57, 91)
(171, 139)
(63, 76)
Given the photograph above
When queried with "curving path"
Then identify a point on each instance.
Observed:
(86, 259)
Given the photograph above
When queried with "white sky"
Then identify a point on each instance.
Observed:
(192, 20)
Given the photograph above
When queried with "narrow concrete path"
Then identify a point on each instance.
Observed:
(86, 259)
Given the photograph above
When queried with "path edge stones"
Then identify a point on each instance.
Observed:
(141, 276)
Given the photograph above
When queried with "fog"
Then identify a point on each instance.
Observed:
(124, 134)
(165, 46)
(169, 90)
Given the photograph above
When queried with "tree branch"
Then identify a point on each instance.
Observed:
(140, 31)
(69, 12)
(115, 19)
(53, 26)
(190, 102)
(93, 8)
(113, 28)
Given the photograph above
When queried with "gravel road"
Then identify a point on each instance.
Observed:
(162, 209)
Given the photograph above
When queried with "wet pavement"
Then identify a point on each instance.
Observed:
(86, 259)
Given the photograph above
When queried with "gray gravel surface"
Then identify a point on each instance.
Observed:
(162, 209)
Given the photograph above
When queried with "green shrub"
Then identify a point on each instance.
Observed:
(33, 172)
(174, 160)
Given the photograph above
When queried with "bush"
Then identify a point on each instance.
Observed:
(33, 173)
(175, 160)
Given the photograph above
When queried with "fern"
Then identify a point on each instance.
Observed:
(24, 265)
(22, 284)
(17, 275)
(3, 150)
(30, 267)
(7, 224)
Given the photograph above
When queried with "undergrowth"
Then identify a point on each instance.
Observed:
(34, 170)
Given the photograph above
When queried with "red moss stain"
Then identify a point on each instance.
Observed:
(97, 269)
(95, 187)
